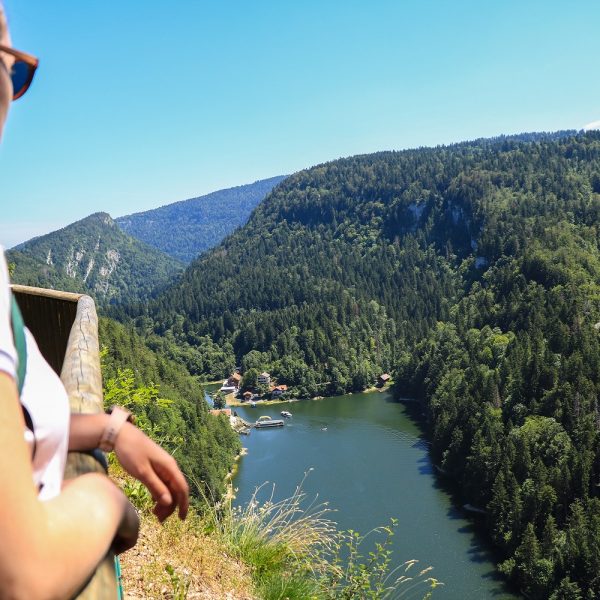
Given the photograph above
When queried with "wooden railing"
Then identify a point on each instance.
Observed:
(65, 327)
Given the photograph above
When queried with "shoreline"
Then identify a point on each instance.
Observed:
(236, 402)
(217, 382)
(229, 494)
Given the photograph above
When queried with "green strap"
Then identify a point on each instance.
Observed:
(18, 327)
(120, 592)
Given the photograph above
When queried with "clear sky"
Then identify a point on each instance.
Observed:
(140, 103)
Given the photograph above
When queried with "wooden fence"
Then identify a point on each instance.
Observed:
(65, 326)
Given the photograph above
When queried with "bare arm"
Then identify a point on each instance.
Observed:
(140, 457)
(85, 431)
(48, 548)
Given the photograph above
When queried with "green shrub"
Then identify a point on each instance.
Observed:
(295, 550)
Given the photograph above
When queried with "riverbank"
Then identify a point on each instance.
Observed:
(233, 402)
(230, 492)
(368, 459)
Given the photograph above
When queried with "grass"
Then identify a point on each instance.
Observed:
(266, 550)
(294, 550)
(284, 543)
(178, 560)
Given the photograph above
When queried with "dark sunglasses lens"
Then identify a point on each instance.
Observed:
(21, 76)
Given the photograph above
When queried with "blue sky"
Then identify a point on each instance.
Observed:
(138, 104)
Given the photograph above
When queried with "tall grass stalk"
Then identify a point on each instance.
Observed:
(295, 551)
(356, 575)
(271, 535)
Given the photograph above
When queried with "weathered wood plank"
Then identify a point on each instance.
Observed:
(45, 292)
(80, 372)
(82, 379)
(65, 326)
(49, 315)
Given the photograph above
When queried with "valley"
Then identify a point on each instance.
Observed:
(469, 272)
(367, 459)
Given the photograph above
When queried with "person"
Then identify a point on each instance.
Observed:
(54, 534)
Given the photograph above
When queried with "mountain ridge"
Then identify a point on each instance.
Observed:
(186, 228)
(472, 273)
(93, 256)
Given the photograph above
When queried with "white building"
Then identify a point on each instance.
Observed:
(264, 378)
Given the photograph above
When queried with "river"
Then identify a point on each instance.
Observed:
(368, 459)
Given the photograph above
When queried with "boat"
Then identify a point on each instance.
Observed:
(252, 404)
(286, 413)
(266, 421)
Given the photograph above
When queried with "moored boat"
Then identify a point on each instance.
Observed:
(286, 413)
(266, 421)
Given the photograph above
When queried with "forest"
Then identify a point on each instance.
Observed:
(169, 406)
(472, 273)
(186, 228)
(93, 256)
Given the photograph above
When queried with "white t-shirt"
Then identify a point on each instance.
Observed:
(44, 397)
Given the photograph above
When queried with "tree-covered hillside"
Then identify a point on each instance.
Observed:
(95, 257)
(169, 404)
(473, 272)
(185, 229)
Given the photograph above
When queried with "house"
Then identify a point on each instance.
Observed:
(278, 390)
(234, 380)
(383, 379)
(247, 396)
(264, 378)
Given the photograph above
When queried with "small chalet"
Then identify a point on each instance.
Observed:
(234, 380)
(246, 396)
(264, 378)
(383, 379)
(278, 390)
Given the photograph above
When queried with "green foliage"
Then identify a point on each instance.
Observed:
(567, 590)
(250, 379)
(295, 551)
(138, 495)
(219, 400)
(356, 576)
(94, 257)
(143, 401)
(169, 406)
(185, 229)
(510, 380)
(179, 585)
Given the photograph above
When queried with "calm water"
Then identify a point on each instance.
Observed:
(370, 462)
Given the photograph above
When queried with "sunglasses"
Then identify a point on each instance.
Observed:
(22, 70)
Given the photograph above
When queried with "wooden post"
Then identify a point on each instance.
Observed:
(65, 326)
(82, 379)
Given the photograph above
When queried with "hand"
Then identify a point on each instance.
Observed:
(156, 469)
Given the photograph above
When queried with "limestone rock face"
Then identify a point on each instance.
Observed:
(93, 256)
